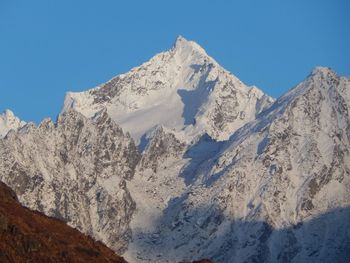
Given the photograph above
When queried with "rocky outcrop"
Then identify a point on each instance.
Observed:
(8, 121)
(74, 170)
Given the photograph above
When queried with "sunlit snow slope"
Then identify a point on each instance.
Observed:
(182, 89)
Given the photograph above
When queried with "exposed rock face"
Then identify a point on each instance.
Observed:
(8, 121)
(74, 170)
(163, 145)
(27, 236)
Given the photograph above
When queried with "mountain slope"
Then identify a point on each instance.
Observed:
(278, 190)
(74, 170)
(27, 236)
(182, 89)
(8, 121)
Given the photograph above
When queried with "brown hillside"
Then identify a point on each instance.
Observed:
(28, 236)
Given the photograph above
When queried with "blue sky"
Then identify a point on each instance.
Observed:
(48, 47)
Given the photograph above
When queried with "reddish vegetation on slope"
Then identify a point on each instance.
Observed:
(28, 236)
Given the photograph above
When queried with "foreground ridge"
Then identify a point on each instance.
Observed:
(28, 236)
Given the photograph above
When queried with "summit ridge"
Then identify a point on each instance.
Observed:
(183, 89)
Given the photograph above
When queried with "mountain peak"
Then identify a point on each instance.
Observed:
(9, 121)
(180, 38)
(8, 114)
(323, 71)
(182, 44)
(183, 89)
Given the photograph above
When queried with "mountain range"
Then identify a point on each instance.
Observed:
(178, 159)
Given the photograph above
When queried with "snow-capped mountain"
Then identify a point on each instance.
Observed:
(8, 121)
(182, 89)
(225, 173)
(277, 191)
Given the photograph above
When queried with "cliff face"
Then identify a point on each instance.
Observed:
(8, 121)
(28, 236)
(74, 170)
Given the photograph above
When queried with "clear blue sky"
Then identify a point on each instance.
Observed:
(48, 47)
